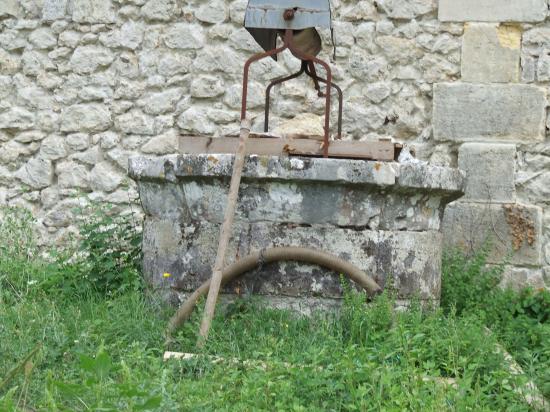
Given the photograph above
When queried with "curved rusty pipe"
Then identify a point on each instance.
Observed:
(249, 262)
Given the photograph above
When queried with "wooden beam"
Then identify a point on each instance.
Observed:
(380, 150)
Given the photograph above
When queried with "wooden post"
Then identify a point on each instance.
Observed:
(225, 234)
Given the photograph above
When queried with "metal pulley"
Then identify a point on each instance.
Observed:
(266, 20)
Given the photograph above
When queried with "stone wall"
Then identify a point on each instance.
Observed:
(84, 84)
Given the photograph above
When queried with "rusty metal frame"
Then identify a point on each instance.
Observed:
(288, 44)
(316, 78)
(306, 68)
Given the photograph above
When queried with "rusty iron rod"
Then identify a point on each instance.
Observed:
(310, 68)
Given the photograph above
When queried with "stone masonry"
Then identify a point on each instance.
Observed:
(384, 217)
(498, 120)
(84, 84)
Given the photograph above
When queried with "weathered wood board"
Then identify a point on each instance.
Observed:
(275, 146)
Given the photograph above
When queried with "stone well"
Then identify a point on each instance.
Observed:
(383, 217)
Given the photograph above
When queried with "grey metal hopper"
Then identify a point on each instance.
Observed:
(265, 18)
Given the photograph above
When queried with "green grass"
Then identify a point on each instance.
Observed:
(100, 347)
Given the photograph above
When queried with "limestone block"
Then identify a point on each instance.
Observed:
(307, 124)
(129, 36)
(69, 38)
(518, 278)
(35, 61)
(164, 200)
(205, 86)
(490, 171)
(378, 92)
(223, 116)
(35, 98)
(215, 58)
(188, 251)
(492, 10)
(212, 12)
(106, 140)
(12, 40)
(166, 143)
(161, 102)
(86, 59)
(90, 93)
(9, 63)
(53, 148)
(174, 63)
(119, 156)
(9, 8)
(491, 53)
(407, 9)
(537, 37)
(91, 117)
(194, 120)
(104, 177)
(54, 9)
(90, 157)
(237, 10)
(47, 120)
(93, 11)
(241, 39)
(184, 36)
(162, 10)
(16, 118)
(6, 86)
(309, 192)
(135, 122)
(71, 175)
(511, 112)
(543, 68)
(49, 81)
(359, 11)
(527, 69)
(420, 176)
(513, 230)
(77, 141)
(43, 38)
(29, 136)
(369, 68)
(36, 173)
(49, 197)
(397, 49)
(256, 96)
(534, 186)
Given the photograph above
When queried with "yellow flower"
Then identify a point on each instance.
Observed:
(166, 275)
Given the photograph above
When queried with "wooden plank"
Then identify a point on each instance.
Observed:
(381, 150)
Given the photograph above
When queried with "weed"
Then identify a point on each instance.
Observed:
(106, 259)
(102, 350)
(520, 320)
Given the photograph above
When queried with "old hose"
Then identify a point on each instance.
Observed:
(249, 262)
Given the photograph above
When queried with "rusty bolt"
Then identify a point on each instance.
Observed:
(288, 14)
